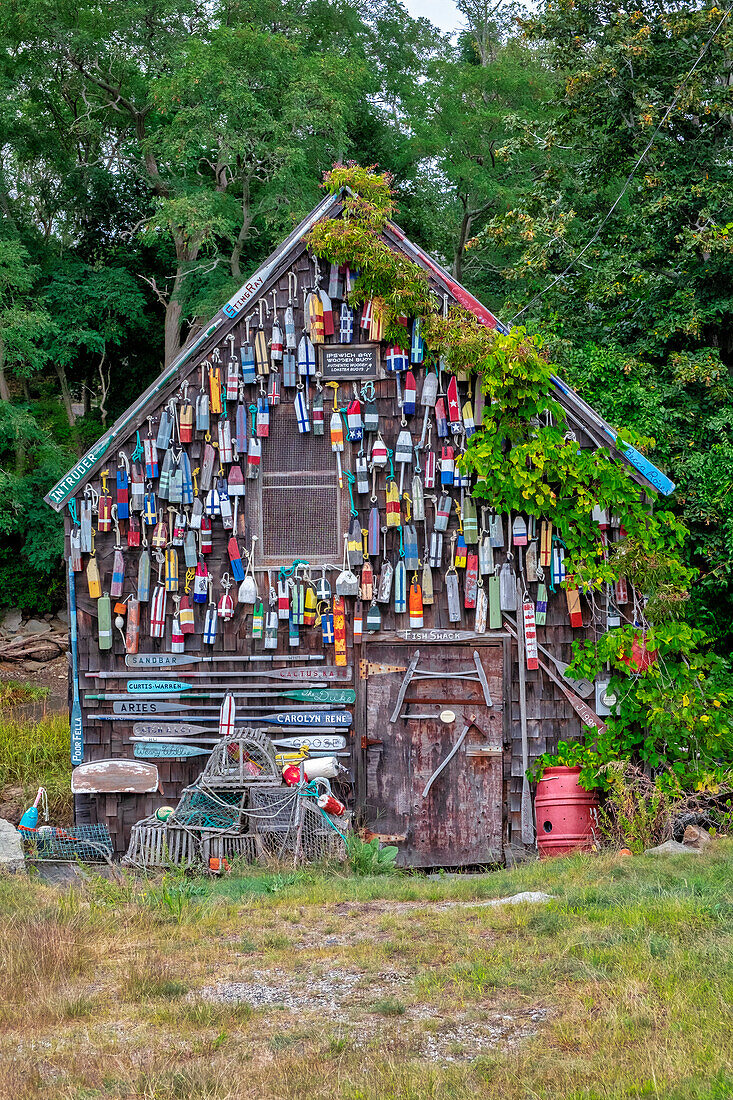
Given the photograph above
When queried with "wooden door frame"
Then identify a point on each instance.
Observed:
(433, 637)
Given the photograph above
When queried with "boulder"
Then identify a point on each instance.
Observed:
(35, 626)
(671, 848)
(12, 620)
(695, 837)
(63, 616)
(11, 848)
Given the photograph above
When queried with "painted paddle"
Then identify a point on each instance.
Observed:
(318, 677)
(152, 750)
(77, 728)
(178, 660)
(582, 687)
(123, 705)
(172, 730)
(589, 717)
(343, 696)
(170, 742)
(320, 702)
(283, 718)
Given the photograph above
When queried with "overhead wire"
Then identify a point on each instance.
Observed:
(632, 173)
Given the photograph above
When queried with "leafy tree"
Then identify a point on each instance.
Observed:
(643, 322)
(475, 93)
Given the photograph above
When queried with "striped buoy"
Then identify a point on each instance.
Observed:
(177, 636)
(157, 612)
(416, 604)
(205, 540)
(328, 328)
(400, 588)
(227, 716)
(441, 420)
(235, 559)
(283, 600)
(171, 569)
(346, 324)
(263, 418)
(470, 583)
(211, 623)
(118, 574)
(301, 412)
(354, 426)
(447, 465)
(394, 518)
(224, 432)
(519, 531)
(104, 622)
(366, 587)
(409, 395)
(442, 515)
(185, 615)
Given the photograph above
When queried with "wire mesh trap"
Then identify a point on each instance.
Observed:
(88, 843)
(245, 756)
(203, 808)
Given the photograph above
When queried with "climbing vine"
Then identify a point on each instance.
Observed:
(671, 713)
(524, 455)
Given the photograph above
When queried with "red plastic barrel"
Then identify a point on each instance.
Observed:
(565, 813)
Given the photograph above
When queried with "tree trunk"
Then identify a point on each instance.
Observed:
(466, 222)
(4, 391)
(244, 231)
(65, 393)
(173, 312)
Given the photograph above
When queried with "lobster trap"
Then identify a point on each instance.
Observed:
(239, 809)
(244, 757)
(200, 807)
(87, 843)
(155, 845)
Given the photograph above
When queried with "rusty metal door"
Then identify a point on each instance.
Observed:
(459, 821)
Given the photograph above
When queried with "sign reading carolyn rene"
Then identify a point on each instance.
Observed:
(349, 360)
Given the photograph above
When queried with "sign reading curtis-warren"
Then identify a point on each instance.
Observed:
(349, 360)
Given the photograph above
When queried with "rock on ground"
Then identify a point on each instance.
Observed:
(695, 837)
(11, 848)
(671, 848)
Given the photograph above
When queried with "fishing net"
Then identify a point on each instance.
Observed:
(89, 843)
(244, 757)
(202, 808)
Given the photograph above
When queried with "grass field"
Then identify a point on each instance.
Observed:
(314, 985)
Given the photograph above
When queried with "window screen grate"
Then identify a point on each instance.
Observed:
(301, 522)
(300, 502)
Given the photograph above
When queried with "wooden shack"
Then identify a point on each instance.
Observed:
(272, 366)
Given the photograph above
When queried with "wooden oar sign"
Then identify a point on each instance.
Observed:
(285, 718)
(339, 696)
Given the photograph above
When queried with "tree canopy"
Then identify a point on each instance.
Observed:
(153, 152)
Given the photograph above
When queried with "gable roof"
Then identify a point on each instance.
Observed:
(578, 411)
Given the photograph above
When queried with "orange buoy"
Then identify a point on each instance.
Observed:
(566, 813)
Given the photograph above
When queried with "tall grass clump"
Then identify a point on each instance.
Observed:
(36, 754)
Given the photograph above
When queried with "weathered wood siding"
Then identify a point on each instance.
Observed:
(371, 778)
